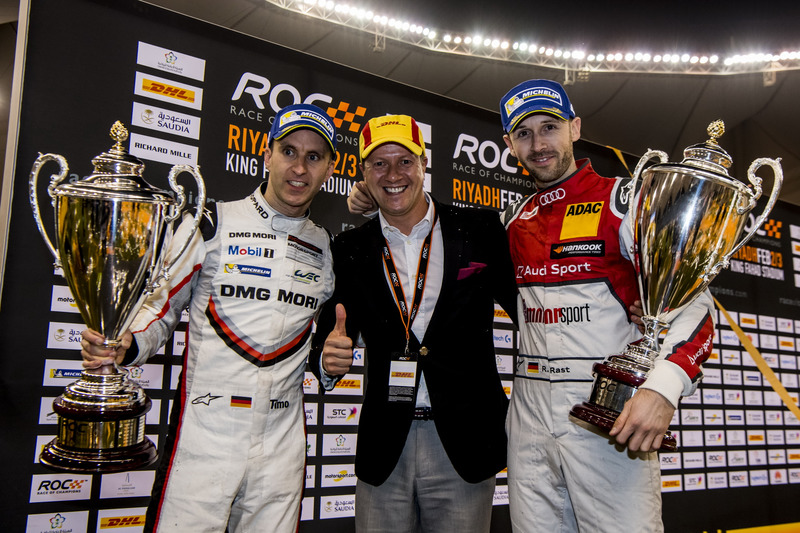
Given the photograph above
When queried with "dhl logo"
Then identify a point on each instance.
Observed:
(671, 484)
(155, 87)
(755, 438)
(499, 313)
(402, 374)
(121, 521)
(349, 384)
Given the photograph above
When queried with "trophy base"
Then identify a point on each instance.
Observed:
(604, 419)
(102, 461)
(616, 381)
(101, 425)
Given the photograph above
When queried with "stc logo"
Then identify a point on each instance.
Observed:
(550, 197)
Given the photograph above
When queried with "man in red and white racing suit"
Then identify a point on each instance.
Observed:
(569, 243)
(253, 278)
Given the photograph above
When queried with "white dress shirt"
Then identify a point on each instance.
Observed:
(406, 251)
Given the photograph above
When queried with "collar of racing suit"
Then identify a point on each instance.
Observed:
(584, 168)
(278, 221)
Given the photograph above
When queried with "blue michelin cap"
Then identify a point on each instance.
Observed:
(298, 116)
(534, 96)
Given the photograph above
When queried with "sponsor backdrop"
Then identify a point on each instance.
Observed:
(201, 95)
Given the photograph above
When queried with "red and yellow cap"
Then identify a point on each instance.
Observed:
(400, 129)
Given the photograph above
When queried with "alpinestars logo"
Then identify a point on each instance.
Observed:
(578, 249)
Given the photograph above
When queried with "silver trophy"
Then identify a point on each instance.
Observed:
(687, 221)
(110, 228)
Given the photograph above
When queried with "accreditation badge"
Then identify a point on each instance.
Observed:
(403, 377)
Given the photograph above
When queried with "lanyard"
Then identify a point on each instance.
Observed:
(397, 286)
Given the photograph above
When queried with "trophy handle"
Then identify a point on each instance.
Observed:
(55, 179)
(752, 196)
(176, 211)
(637, 173)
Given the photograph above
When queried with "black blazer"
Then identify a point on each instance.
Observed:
(460, 369)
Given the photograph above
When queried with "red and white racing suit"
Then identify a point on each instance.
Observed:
(237, 448)
(570, 245)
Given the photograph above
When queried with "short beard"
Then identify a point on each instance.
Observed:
(545, 178)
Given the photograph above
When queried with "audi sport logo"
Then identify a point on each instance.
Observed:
(551, 196)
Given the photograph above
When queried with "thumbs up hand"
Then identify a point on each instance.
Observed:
(337, 352)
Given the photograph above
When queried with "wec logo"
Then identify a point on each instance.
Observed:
(306, 277)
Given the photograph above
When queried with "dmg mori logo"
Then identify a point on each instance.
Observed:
(550, 197)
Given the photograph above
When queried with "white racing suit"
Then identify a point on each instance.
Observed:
(253, 281)
(570, 245)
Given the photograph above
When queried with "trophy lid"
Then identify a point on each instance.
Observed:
(117, 175)
(709, 155)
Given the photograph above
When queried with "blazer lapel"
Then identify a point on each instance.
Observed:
(453, 244)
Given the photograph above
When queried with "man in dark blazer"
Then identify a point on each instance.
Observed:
(431, 436)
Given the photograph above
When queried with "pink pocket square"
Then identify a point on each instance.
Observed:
(473, 268)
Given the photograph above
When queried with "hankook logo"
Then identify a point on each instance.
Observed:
(550, 197)
(578, 249)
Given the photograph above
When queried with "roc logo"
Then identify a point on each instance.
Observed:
(342, 114)
(581, 220)
(773, 228)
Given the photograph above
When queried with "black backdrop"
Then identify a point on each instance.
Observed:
(196, 93)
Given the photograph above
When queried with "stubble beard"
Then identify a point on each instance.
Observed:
(545, 178)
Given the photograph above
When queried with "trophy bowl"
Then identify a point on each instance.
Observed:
(687, 220)
(111, 230)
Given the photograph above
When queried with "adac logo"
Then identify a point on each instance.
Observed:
(581, 220)
(342, 115)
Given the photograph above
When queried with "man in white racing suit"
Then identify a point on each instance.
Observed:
(253, 278)
(569, 243)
